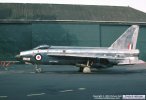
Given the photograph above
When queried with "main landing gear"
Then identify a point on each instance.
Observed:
(85, 68)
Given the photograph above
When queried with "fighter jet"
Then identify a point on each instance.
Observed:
(122, 51)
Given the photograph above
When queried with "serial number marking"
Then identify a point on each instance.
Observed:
(26, 59)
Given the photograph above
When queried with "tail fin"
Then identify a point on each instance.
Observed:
(127, 40)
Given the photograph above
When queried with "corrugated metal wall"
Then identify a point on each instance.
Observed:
(18, 37)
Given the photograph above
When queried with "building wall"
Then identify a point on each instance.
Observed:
(16, 37)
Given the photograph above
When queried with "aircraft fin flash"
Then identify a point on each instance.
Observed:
(127, 40)
(122, 51)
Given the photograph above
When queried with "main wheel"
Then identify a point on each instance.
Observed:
(86, 70)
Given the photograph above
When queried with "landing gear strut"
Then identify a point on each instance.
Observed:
(38, 69)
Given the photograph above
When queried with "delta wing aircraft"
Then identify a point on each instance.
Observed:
(122, 51)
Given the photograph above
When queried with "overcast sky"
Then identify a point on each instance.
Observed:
(137, 4)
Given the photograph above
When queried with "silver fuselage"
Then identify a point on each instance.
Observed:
(79, 55)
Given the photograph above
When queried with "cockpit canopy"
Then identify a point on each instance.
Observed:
(42, 47)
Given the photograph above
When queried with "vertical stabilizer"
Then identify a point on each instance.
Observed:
(127, 40)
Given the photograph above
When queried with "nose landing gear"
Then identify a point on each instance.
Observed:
(38, 69)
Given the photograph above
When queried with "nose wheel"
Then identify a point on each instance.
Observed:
(38, 69)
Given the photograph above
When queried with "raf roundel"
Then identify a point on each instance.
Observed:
(38, 57)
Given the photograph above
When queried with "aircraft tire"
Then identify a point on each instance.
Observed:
(38, 70)
(86, 70)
